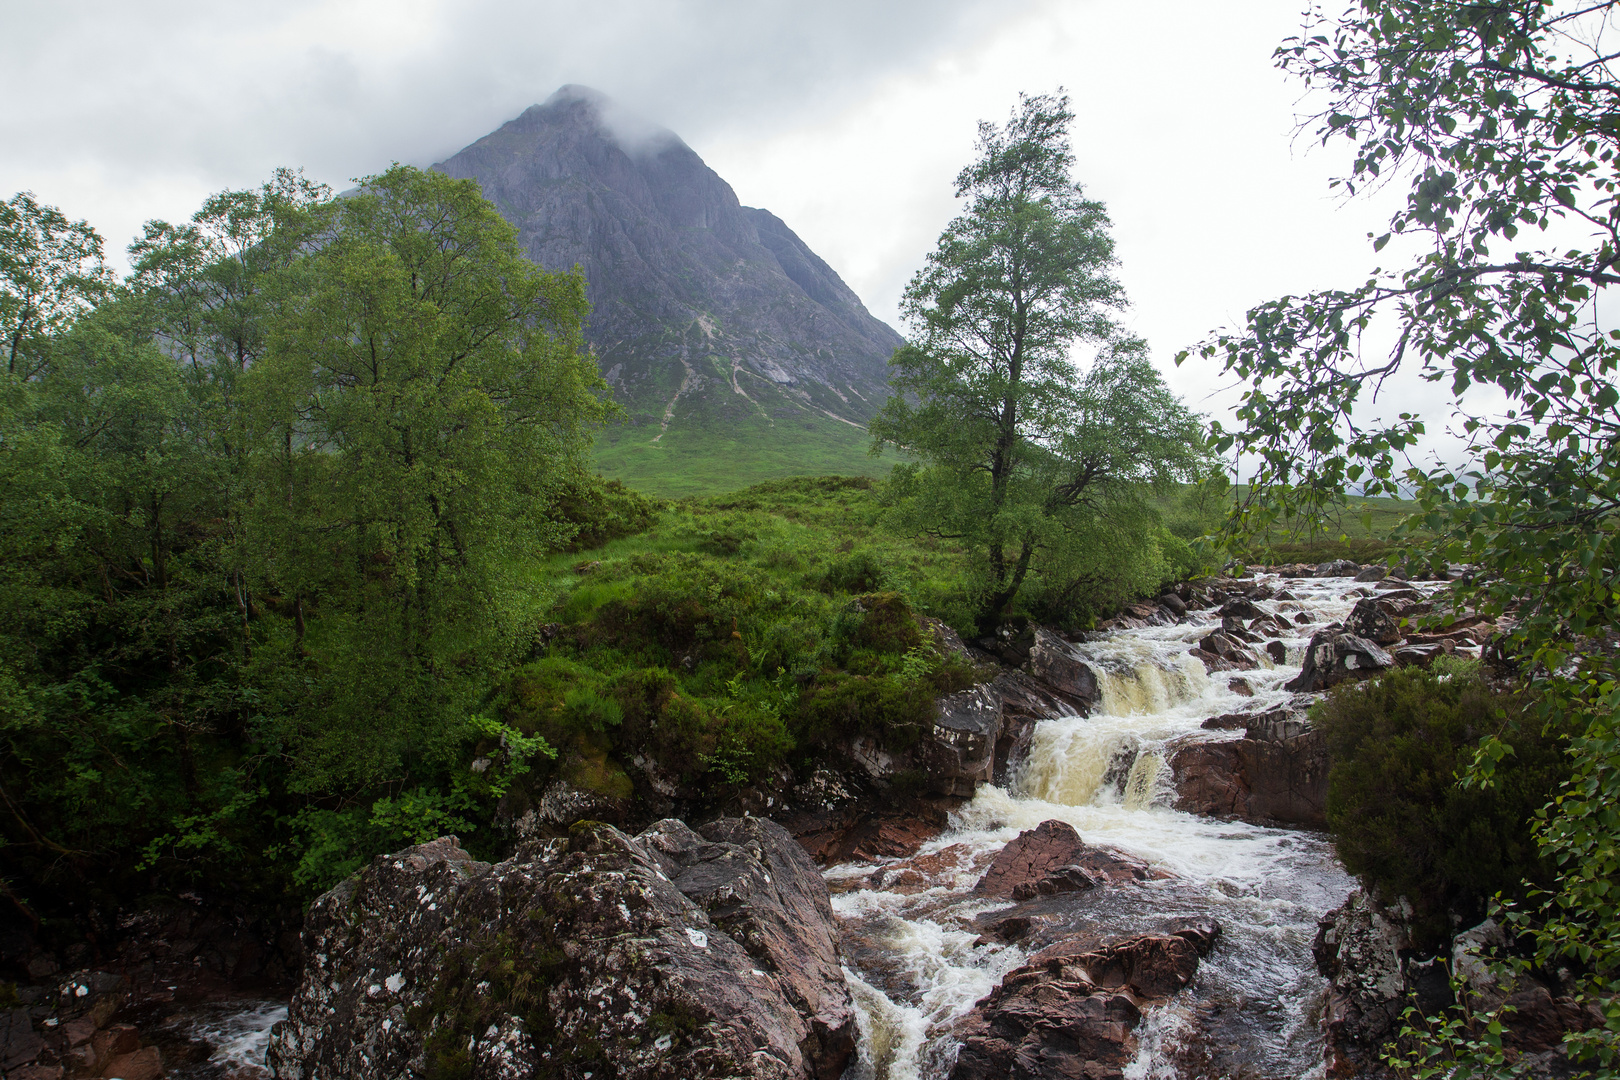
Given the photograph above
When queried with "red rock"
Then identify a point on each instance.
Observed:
(114, 1042)
(1277, 773)
(144, 1064)
(1052, 854)
(36, 1072)
(1071, 1010)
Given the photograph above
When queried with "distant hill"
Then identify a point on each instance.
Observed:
(738, 352)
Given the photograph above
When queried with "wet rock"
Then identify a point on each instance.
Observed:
(1174, 604)
(143, 1064)
(1276, 773)
(1211, 662)
(1373, 620)
(1240, 608)
(1241, 687)
(1025, 702)
(1071, 1010)
(1051, 858)
(1228, 649)
(577, 955)
(1373, 573)
(1227, 722)
(1277, 651)
(1333, 657)
(961, 750)
(1053, 664)
(1201, 932)
(1337, 568)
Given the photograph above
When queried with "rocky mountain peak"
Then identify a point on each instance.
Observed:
(707, 315)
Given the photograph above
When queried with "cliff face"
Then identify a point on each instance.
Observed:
(706, 313)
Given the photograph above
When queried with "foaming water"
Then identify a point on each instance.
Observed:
(917, 966)
(237, 1034)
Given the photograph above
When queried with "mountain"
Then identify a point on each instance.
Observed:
(738, 352)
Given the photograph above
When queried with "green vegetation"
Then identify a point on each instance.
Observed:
(1501, 119)
(693, 459)
(1046, 472)
(1399, 819)
(271, 510)
(302, 559)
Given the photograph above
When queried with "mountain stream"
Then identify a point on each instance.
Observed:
(917, 965)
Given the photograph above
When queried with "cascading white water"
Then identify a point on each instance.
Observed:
(916, 966)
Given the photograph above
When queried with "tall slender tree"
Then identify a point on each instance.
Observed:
(1022, 452)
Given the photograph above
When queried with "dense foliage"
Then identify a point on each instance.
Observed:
(1045, 469)
(270, 509)
(1501, 119)
(1399, 819)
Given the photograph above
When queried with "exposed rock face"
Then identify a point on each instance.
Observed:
(1051, 858)
(704, 311)
(1277, 772)
(1071, 1010)
(666, 955)
(1358, 950)
(1334, 656)
(961, 754)
(1365, 951)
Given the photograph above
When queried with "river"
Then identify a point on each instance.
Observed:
(917, 964)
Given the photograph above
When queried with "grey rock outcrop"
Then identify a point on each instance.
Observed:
(1334, 656)
(671, 954)
(1366, 953)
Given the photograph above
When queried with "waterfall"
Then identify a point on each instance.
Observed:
(920, 966)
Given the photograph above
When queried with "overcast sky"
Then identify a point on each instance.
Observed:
(847, 118)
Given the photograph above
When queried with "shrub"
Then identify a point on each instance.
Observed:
(603, 510)
(856, 572)
(1402, 822)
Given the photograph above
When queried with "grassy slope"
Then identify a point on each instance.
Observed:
(709, 459)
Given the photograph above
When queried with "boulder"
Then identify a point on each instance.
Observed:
(1071, 1010)
(1053, 664)
(1240, 608)
(1334, 656)
(1051, 858)
(1373, 573)
(1337, 568)
(1373, 620)
(1174, 604)
(576, 955)
(1277, 772)
(1228, 649)
(960, 752)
